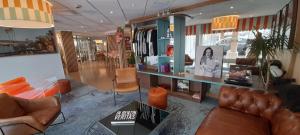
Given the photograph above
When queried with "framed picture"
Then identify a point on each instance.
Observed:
(209, 61)
(25, 41)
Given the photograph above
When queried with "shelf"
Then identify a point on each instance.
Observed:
(164, 39)
(183, 95)
(214, 96)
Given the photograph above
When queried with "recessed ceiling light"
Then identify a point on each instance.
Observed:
(81, 26)
(101, 21)
(132, 5)
(200, 13)
(111, 12)
(231, 7)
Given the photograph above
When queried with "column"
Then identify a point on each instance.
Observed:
(69, 51)
(232, 53)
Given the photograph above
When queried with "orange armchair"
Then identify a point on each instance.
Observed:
(126, 81)
(23, 116)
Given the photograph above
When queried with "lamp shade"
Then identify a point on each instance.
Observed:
(225, 22)
(98, 41)
(26, 14)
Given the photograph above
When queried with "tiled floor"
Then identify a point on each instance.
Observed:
(94, 74)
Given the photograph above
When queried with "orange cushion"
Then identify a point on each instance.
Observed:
(32, 94)
(14, 89)
(52, 91)
(14, 81)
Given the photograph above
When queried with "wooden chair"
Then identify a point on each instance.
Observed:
(126, 81)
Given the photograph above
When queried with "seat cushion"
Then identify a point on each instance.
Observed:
(46, 115)
(223, 121)
(9, 107)
(127, 87)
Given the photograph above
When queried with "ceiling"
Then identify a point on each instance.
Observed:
(97, 17)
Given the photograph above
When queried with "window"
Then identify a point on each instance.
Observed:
(190, 45)
(225, 40)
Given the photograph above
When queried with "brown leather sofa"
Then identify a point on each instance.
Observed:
(245, 112)
(23, 117)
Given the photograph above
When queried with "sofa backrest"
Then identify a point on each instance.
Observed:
(9, 107)
(257, 103)
(285, 122)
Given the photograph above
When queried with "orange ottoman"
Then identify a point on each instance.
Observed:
(65, 86)
(158, 97)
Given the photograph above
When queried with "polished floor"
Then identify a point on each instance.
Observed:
(95, 74)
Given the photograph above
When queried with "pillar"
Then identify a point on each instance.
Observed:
(232, 53)
(69, 51)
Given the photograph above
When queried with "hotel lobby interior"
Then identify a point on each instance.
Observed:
(150, 67)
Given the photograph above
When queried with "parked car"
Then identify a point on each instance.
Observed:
(241, 48)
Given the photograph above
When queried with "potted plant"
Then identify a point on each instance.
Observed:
(131, 60)
(265, 49)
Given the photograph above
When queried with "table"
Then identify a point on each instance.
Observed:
(148, 118)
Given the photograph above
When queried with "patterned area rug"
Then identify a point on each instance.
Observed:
(84, 106)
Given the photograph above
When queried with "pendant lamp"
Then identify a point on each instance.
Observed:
(229, 22)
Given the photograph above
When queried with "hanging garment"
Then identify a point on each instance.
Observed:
(138, 43)
(144, 45)
(154, 41)
(150, 44)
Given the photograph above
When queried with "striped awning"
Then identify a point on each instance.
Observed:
(26, 13)
(245, 24)
(191, 30)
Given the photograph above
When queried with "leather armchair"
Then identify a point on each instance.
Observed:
(126, 81)
(23, 116)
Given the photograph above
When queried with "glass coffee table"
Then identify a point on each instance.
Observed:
(148, 118)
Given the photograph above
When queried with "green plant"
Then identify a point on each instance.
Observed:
(131, 59)
(265, 49)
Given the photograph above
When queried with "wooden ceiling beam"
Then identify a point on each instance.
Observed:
(176, 10)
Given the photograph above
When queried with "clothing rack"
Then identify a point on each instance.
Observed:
(150, 26)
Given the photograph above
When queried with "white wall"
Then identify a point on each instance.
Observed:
(35, 68)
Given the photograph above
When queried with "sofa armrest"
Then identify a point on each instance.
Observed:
(285, 122)
(38, 104)
(27, 120)
(257, 103)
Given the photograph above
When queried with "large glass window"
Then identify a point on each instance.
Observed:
(225, 39)
(190, 46)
